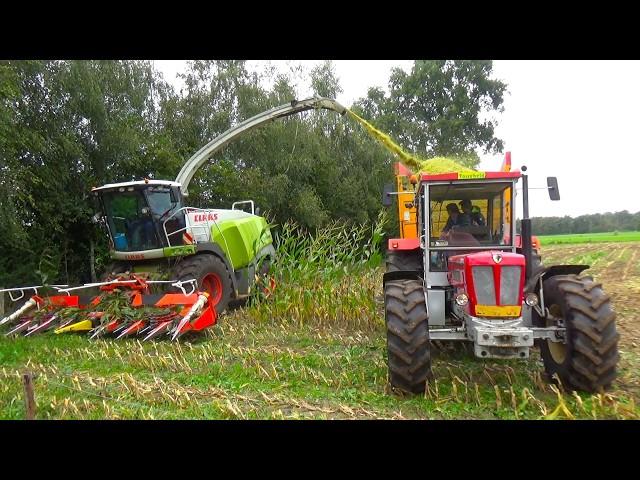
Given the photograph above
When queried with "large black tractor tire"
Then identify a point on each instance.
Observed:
(408, 347)
(403, 261)
(587, 359)
(212, 276)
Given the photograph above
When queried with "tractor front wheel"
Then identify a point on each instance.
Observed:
(586, 360)
(212, 276)
(408, 347)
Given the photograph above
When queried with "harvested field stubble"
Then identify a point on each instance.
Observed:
(315, 350)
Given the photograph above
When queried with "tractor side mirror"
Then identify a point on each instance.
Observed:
(386, 195)
(258, 211)
(97, 218)
(552, 184)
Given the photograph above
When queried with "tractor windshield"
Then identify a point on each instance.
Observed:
(470, 214)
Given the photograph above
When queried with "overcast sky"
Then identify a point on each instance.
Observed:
(576, 120)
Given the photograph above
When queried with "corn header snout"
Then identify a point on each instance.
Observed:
(123, 307)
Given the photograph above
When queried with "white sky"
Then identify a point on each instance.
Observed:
(576, 120)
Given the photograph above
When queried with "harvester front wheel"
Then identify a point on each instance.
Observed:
(212, 276)
(586, 360)
(408, 346)
(112, 270)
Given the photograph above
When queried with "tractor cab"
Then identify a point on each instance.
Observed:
(134, 214)
(466, 215)
(470, 223)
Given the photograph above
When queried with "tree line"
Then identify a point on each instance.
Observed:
(68, 126)
(592, 223)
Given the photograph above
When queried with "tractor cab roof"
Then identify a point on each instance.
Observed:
(111, 186)
(439, 177)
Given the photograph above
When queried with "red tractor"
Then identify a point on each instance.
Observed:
(468, 277)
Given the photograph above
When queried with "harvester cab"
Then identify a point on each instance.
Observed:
(467, 277)
(150, 229)
(134, 214)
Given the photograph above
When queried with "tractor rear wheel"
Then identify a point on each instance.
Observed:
(407, 260)
(587, 358)
(408, 347)
(212, 276)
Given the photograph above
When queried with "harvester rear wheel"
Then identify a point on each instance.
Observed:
(265, 282)
(408, 347)
(212, 276)
(588, 357)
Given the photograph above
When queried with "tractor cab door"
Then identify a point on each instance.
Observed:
(130, 222)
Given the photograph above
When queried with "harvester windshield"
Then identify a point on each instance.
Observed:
(470, 214)
(133, 215)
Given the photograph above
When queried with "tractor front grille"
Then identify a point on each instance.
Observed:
(483, 285)
(510, 284)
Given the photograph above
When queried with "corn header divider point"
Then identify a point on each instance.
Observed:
(124, 306)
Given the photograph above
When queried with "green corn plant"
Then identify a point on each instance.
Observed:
(324, 277)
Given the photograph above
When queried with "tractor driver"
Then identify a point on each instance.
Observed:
(141, 230)
(473, 212)
(456, 218)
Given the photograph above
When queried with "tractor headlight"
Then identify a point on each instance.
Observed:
(531, 299)
(462, 299)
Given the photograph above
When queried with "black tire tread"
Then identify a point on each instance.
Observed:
(592, 339)
(408, 345)
(196, 266)
(403, 260)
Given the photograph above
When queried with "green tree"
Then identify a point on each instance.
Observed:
(309, 167)
(440, 108)
(67, 126)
